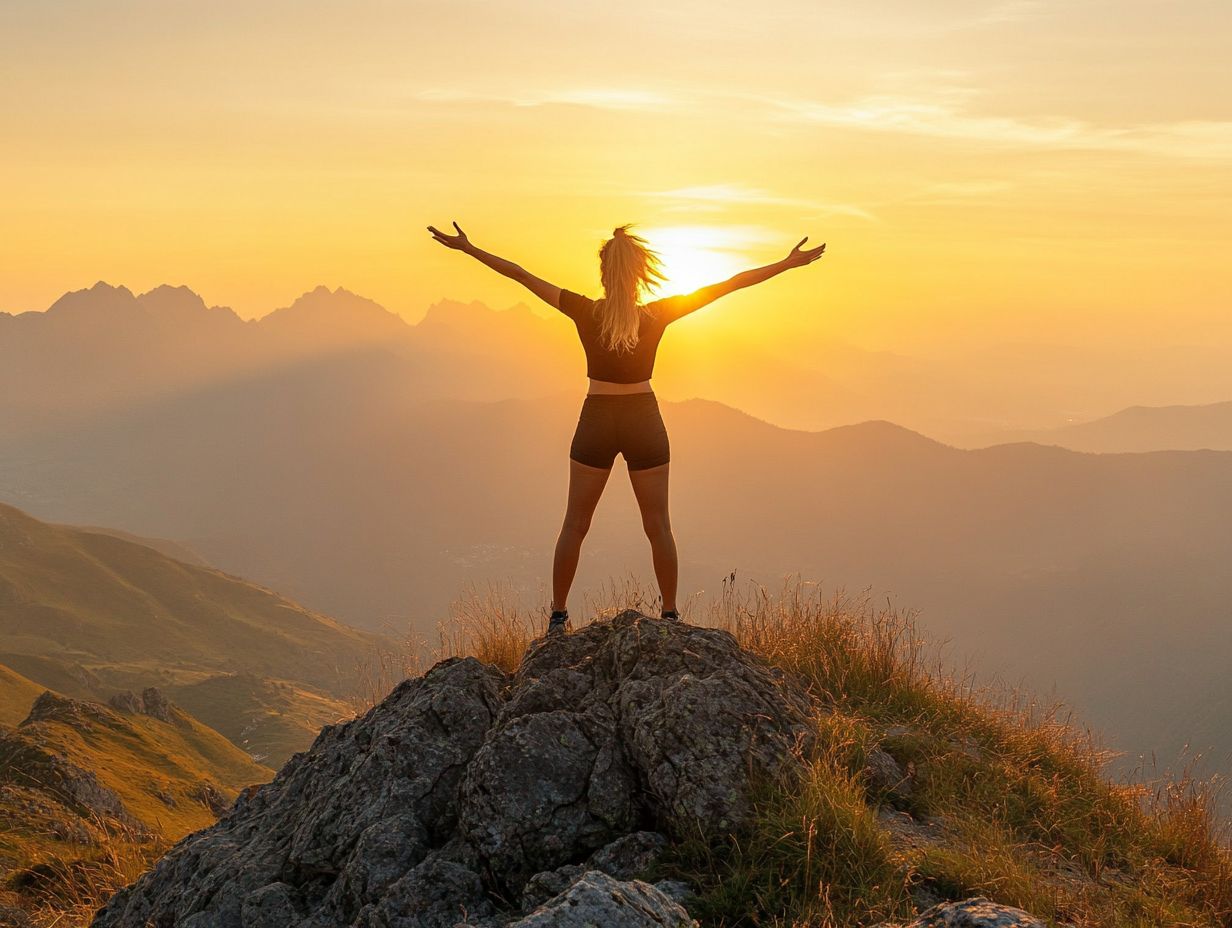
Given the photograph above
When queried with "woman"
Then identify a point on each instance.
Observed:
(620, 414)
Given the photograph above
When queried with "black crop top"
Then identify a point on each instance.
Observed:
(601, 362)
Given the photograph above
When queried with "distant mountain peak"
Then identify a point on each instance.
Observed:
(103, 287)
(334, 314)
(166, 299)
(448, 305)
(167, 290)
(102, 297)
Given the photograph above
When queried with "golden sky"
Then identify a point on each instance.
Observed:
(1006, 169)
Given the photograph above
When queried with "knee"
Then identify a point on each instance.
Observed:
(657, 528)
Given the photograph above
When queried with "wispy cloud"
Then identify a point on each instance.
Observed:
(943, 110)
(1008, 11)
(1205, 139)
(944, 192)
(717, 196)
(608, 98)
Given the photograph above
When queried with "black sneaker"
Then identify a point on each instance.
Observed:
(670, 614)
(557, 622)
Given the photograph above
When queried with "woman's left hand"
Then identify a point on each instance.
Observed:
(800, 256)
(459, 241)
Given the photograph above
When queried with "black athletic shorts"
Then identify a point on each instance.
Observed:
(625, 423)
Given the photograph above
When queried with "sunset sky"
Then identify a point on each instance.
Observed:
(999, 170)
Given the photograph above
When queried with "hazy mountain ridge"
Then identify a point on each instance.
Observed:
(167, 340)
(104, 349)
(1147, 428)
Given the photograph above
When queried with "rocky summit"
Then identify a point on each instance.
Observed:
(479, 798)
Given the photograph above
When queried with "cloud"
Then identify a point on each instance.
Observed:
(1203, 139)
(943, 111)
(1009, 11)
(608, 98)
(944, 192)
(714, 197)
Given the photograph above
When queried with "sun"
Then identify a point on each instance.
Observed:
(693, 256)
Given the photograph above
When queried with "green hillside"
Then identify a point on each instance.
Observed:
(16, 696)
(84, 786)
(96, 598)
(271, 719)
(88, 614)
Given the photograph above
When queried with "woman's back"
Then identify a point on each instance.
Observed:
(603, 363)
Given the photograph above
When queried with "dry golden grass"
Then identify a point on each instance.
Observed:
(62, 883)
(1031, 817)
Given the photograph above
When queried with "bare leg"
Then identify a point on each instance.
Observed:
(585, 487)
(650, 488)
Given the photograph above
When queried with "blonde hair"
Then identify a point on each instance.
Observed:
(628, 268)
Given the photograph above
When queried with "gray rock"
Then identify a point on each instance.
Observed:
(598, 899)
(907, 831)
(271, 906)
(321, 826)
(629, 857)
(155, 704)
(886, 779)
(211, 797)
(468, 791)
(544, 885)
(151, 702)
(625, 719)
(435, 894)
(545, 789)
(976, 912)
(676, 890)
(126, 701)
(626, 858)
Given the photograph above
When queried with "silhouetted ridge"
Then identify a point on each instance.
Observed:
(100, 298)
(337, 314)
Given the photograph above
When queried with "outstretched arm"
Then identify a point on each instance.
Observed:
(547, 292)
(676, 306)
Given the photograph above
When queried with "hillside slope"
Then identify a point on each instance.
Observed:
(89, 614)
(17, 694)
(102, 598)
(78, 779)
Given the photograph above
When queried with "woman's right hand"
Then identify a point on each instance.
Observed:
(798, 257)
(459, 241)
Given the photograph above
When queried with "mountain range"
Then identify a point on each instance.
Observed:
(105, 347)
(373, 476)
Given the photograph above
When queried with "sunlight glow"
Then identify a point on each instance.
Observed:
(694, 256)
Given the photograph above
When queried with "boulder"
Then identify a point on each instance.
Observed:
(598, 899)
(339, 825)
(468, 792)
(976, 912)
